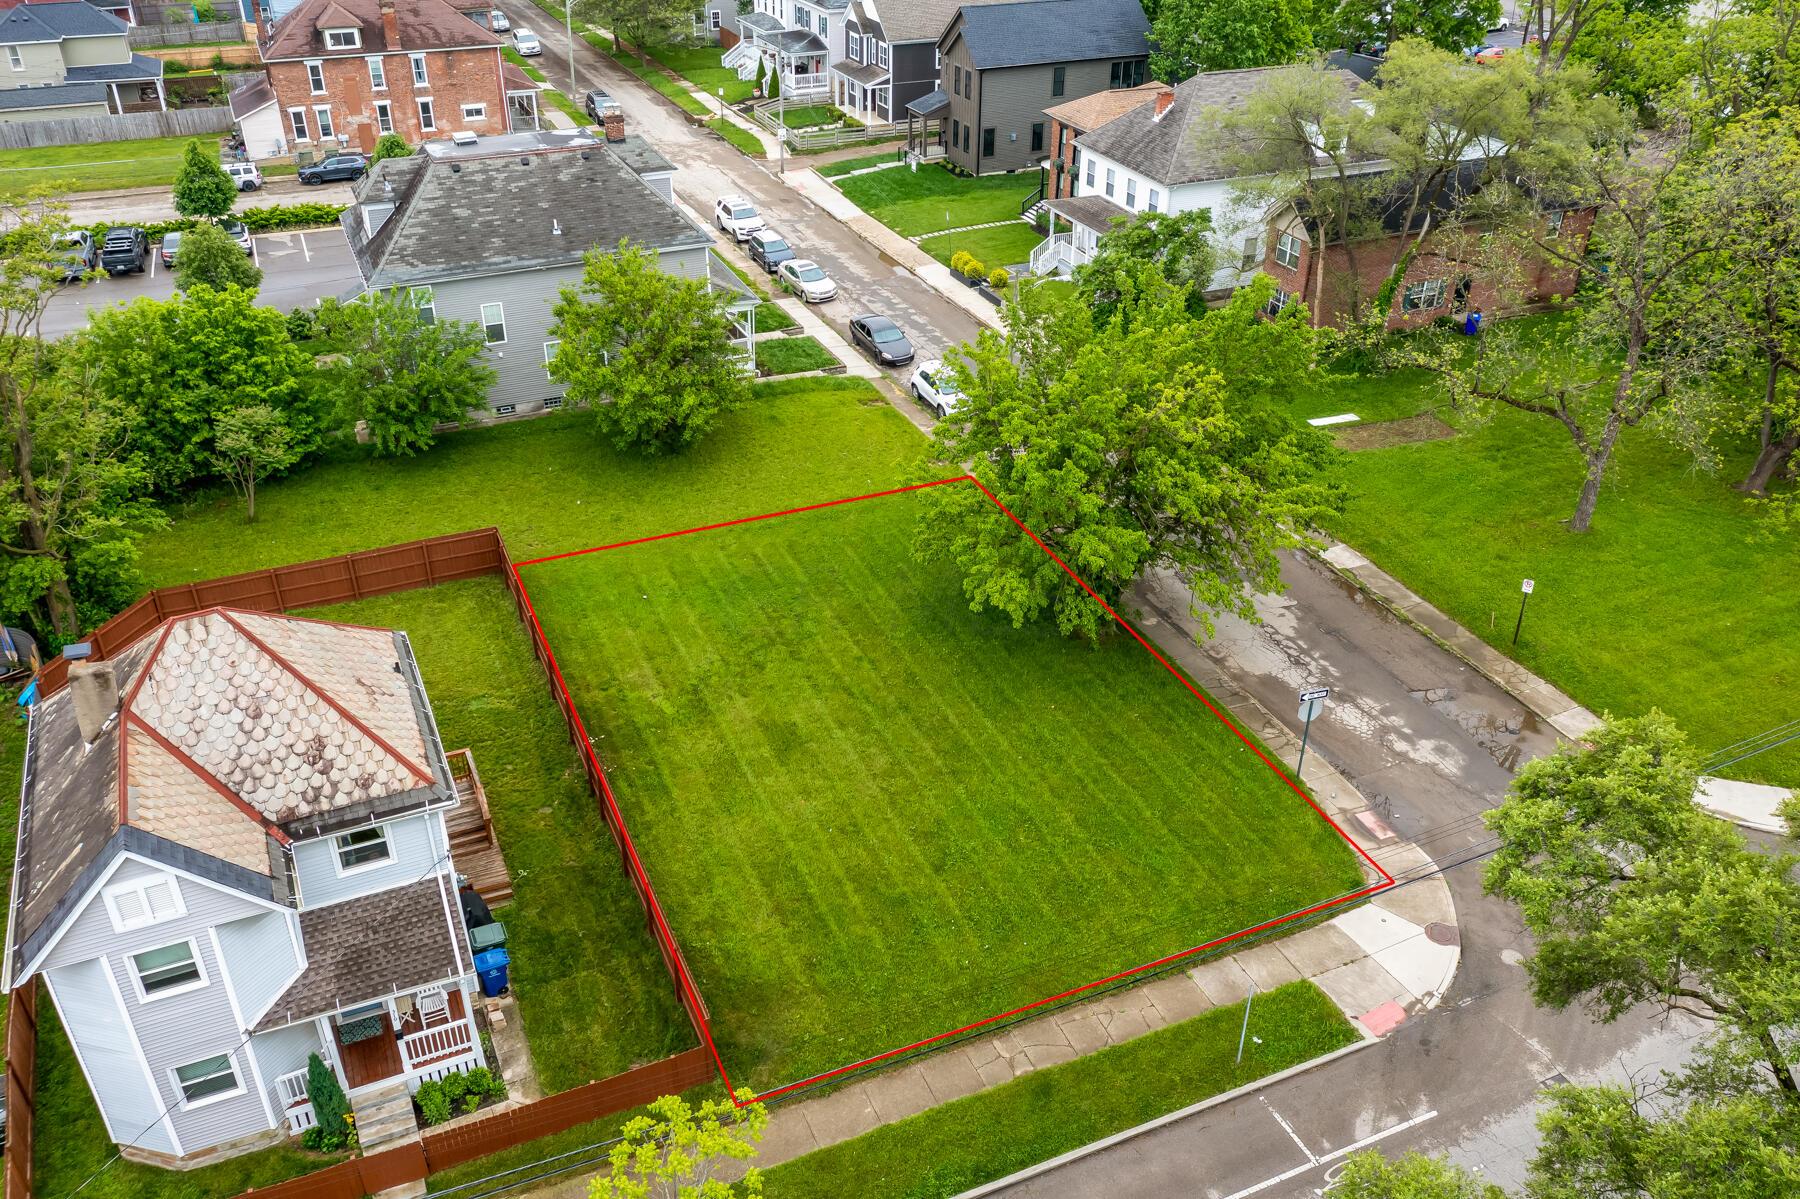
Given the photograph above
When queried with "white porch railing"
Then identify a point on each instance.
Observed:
(291, 1097)
(435, 1052)
(805, 84)
(1058, 254)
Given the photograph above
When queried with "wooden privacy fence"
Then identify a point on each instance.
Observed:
(302, 585)
(440, 1150)
(188, 33)
(80, 131)
(21, 1089)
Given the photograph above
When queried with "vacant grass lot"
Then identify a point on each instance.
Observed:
(146, 162)
(932, 199)
(699, 65)
(1002, 245)
(844, 166)
(873, 816)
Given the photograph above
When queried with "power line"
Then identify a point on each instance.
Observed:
(1750, 746)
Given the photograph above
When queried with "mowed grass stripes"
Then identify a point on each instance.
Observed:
(873, 816)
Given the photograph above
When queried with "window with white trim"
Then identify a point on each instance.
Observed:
(881, 55)
(384, 116)
(15, 58)
(1151, 204)
(207, 1080)
(427, 116)
(426, 299)
(1555, 220)
(1111, 175)
(714, 21)
(1287, 251)
(315, 77)
(144, 901)
(377, 75)
(168, 971)
(418, 69)
(474, 112)
(824, 26)
(937, 60)
(322, 115)
(362, 848)
(493, 323)
(343, 39)
(297, 119)
(1278, 301)
(550, 348)
(1252, 252)
(1131, 193)
(853, 47)
(1090, 172)
(1427, 293)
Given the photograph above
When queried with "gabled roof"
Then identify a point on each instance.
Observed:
(921, 20)
(141, 66)
(1177, 148)
(234, 731)
(463, 212)
(56, 95)
(54, 22)
(252, 97)
(423, 25)
(1029, 32)
(1090, 112)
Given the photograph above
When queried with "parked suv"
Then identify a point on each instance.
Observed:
(247, 175)
(235, 230)
(598, 104)
(338, 166)
(79, 253)
(737, 216)
(767, 250)
(126, 248)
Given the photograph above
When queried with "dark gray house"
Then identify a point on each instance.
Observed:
(890, 55)
(1004, 64)
(491, 232)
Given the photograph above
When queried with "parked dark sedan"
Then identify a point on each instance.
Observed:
(882, 338)
(767, 249)
(338, 166)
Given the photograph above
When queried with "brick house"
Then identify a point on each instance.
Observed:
(1069, 121)
(344, 72)
(1439, 281)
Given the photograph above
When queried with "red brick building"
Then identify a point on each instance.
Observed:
(344, 72)
(1071, 120)
(1439, 281)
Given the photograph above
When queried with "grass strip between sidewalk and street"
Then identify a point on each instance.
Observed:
(945, 1150)
(649, 73)
(791, 355)
(738, 136)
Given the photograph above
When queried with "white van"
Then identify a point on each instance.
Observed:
(246, 174)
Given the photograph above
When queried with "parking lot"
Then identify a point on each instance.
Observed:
(299, 269)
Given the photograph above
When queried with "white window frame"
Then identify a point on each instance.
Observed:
(427, 115)
(231, 1064)
(1090, 172)
(1287, 251)
(1415, 295)
(550, 348)
(355, 42)
(419, 75)
(852, 47)
(1150, 205)
(315, 76)
(384, 116)
(824, 26)
(16, 58)
(141, 887)
(1131, 192)
(474, 112)
(1111, 181)
(1279, 300)
(377, 75)
(1554, 223)
(428, 303)
(381, 837)
(322, 117)
(881, 55)
(1252, 251)
(937, 59)
(501, 321)
(714, 21)
(298, 127)
(137, 977)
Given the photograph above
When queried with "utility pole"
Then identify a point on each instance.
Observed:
(1245, 1030)
(569, 30)
(781, 113)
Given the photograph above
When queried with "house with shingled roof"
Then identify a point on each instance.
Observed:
(233, 854)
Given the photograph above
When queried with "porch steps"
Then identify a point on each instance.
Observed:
(1030, 215)
(474, 849)
(384, 1116)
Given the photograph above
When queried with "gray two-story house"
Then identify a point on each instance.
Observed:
(232, 855)
(1004, 64)
(890, 55)
(70, 59)
(490, 230)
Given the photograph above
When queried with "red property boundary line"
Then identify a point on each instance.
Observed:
(690, 992)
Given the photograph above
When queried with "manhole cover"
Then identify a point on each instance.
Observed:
(1443, 934)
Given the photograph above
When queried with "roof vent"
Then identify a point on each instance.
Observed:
(463, 137)
(75, 651)
(456, 168)
(586, 155)
(555, 227)
(524, 160)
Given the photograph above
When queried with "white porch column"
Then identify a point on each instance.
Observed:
(162, 97)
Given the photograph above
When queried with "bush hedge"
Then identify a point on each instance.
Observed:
(271, 219)
(458, 1094)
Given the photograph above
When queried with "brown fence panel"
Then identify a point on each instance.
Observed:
(342, 1181)
(559, 1113)
(21, 1089)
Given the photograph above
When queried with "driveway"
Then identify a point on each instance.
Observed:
(299, 269)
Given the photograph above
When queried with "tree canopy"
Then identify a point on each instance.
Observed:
(1189, 36)
(209, 256)
(202, 188)
(1180, 245)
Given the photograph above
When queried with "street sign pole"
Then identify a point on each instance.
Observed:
(1245, 1030)
(1525, 590)
(1312, 702)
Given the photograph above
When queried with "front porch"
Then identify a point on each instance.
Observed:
(796, 56)
(1088, 217)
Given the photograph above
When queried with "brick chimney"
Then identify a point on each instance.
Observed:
(390, 26)
(94, 687)
(1163, 100)
(613, 123)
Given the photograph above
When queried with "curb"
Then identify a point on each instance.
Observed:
(1163, 1121)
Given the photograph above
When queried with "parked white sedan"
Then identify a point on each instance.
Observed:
(809, 282)
(527, 44)
(935, 388)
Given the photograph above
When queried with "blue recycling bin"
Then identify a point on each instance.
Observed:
(491, 965)
(1472, 324)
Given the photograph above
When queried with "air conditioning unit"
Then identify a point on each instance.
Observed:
(463, 137)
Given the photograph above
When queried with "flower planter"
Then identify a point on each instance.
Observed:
(989, 294)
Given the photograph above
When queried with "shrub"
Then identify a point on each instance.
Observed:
(434, 1102)
(336, 1127)
(998, 278)
(175, 66)
(959, 262)
(973, 268)
(458, 1093)
(302, 325)
(390, 145)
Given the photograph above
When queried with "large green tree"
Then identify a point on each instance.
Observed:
(1179, 244)
(1453, 25)
(208, 256)
(1190, 36)
(1121, 446)
(640, 22)
(202, 188)
(176, 365)
(650, 351)
(402, 374)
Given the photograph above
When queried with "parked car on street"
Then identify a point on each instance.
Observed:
(598, 104)
(126, 248)
(497, 21)
(338, 166)
(247, 175)
(171, 246)
(737, 216)
(767, 249)
(527, 44)
(934, 387)
(239, 234)
(810, 282)
(79, 252)
(881, 338)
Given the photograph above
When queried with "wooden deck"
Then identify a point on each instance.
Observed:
(474, 850)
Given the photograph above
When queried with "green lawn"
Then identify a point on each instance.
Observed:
(1003, 245)
(773, 318)
(518, 60)
(873, 816)
(1671, 600)
(699, 65)
(790, 355)
(946, 1150)
(931, 199)
(146, 162)
(805, 116)
(737, 135)
(832, 170)
(656, 78)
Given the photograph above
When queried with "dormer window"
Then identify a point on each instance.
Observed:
(343, 39)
